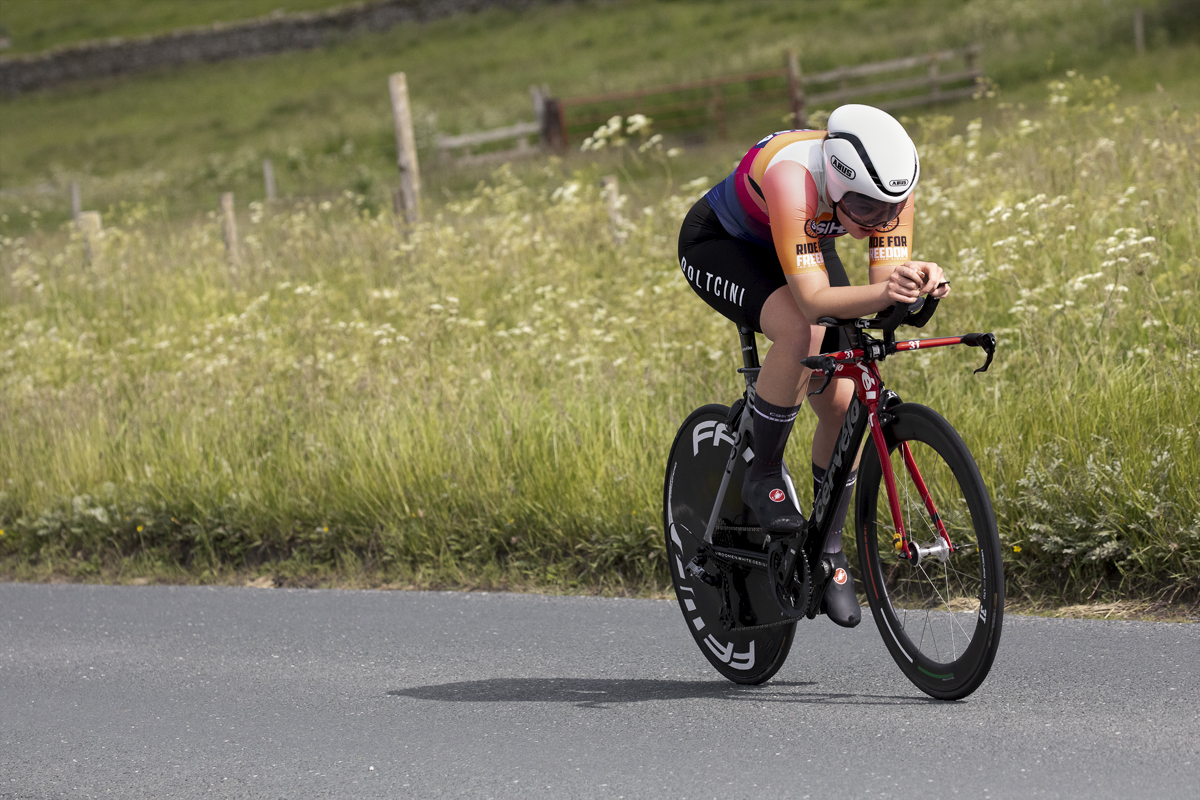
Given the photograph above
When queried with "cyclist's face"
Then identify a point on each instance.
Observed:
(855, 230)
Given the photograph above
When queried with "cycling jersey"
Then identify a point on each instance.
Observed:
(786, 171)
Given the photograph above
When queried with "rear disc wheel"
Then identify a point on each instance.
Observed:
(694, 471)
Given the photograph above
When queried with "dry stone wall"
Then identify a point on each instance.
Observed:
(222, 41)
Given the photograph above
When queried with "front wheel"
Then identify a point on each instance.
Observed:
(940, 616)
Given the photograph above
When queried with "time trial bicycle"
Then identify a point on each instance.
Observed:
(928, 547)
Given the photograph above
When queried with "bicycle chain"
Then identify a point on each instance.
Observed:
(765, 625)
(740, 528)
(741, 628)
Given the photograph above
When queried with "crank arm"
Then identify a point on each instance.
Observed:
(784, 558)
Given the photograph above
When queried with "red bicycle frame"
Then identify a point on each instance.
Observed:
(854, 365)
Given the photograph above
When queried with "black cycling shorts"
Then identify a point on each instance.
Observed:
(736, 277)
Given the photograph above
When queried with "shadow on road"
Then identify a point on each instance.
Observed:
(600, 692)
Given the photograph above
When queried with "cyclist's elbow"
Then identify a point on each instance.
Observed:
(814, 304)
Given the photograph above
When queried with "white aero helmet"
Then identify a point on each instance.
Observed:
(871, 164)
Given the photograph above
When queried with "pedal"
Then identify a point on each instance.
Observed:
(822, 576)
(792, 596)
(695, 569)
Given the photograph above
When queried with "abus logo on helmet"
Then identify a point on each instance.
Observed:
(898, 182)
(842, 168)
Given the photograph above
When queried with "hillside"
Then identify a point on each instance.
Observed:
(37, 26)
(176, 137)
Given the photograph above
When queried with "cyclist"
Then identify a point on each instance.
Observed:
(759, 248)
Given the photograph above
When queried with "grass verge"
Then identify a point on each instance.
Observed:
(487, 398)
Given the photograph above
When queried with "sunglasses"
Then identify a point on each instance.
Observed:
(867, 211)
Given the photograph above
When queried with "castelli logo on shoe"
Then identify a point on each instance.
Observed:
(777, 495)
(839, 577)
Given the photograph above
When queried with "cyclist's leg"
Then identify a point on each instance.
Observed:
(840, 602)
(732, 276)
(744, 282)
(831, 405)
(784, 378)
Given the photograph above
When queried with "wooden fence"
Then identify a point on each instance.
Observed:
(717, 100)
(520, 132)
(918, 80)
(546, 116)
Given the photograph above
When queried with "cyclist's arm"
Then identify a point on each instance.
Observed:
(888, 251)
(791, 196)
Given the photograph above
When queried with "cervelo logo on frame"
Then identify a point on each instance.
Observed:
(846, 170)
(709, 429)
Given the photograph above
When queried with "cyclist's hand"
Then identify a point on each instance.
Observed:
(914, 278)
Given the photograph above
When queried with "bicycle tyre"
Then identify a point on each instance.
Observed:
(960, 600)
(694, 471)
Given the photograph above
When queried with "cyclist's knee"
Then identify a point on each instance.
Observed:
(782, 322)
(832, 403)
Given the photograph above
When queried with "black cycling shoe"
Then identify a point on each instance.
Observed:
(840, 603)
(772, 506)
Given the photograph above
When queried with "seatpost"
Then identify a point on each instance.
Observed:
(749, 348)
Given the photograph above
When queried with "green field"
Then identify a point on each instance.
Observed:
(37, 26)
(487, 399)
(176, 137)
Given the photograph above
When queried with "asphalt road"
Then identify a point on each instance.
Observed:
(219, 692)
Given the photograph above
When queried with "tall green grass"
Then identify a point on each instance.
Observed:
(488, 397)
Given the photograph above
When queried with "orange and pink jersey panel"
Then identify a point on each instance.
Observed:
(776, 198)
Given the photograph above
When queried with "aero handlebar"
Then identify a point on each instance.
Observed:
(914, 314)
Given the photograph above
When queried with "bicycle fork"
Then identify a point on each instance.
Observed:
(874, 399)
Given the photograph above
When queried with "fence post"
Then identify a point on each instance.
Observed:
(1139, 31)
(90, 227)
(76, 203)
(229, 229)
(935, 81)
(971, 55)
(539, 112)
(406, 147)
(554, 128)
(796, 88)
(269, 179)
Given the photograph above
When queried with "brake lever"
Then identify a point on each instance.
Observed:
(985, 340)
(827, 365)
